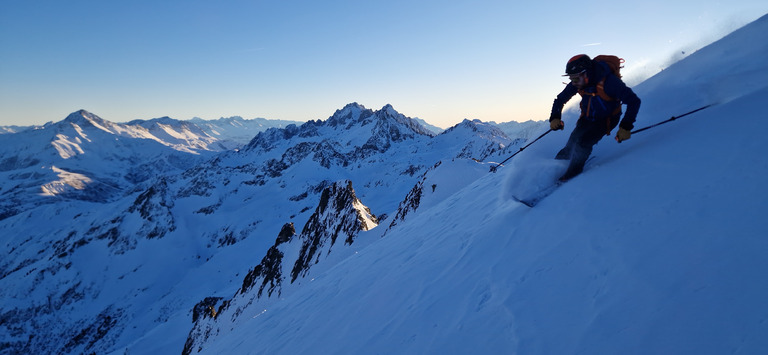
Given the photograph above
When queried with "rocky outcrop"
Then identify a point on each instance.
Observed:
(412, 200)
(269, 275)
(387, 126)
(340, 215)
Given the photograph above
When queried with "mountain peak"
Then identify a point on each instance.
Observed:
(353, 105)
(478, 127)
(80, 115)
(85, 118)
(350, 113)
(389, 112)
(389, 126)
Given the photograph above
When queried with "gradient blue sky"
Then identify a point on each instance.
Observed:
(442, 61)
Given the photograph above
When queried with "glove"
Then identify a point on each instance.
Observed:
(623, 135)
(556, 124)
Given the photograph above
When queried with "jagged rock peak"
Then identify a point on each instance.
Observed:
(286, 234)
(354, 106)
(356, 113)
(339, 214)
(341, 197)
(390, 126)
(350, 113)
(389, 112)
(389, 109)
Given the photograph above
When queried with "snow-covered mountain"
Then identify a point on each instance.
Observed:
(85, 157)
(525, 130)
(366, 233)
(434, 129)
(95, 275)
(236, 131)
(88, 158)
(14, 129)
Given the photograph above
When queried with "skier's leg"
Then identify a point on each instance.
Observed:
(579, 156)
(591, 134)
(566, 152)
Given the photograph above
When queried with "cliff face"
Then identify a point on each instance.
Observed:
(340, 215)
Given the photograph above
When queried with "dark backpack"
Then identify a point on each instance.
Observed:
(613, 62)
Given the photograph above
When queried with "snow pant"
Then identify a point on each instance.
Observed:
(586, 134)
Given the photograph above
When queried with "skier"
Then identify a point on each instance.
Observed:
(602, 94)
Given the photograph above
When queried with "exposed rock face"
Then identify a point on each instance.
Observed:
(270, 270)
(340, 214)
(411, 201)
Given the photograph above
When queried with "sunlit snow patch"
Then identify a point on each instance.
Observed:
(67, 181)
(366, 218)
(67, 147)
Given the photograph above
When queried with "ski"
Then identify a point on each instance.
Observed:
(539, 195)
(534, 200)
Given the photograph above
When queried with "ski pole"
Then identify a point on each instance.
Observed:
(493, 168)
(671, 119)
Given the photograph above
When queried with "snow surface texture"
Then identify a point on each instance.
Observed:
(658, 248)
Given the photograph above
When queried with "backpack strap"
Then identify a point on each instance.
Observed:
(600, 88)
(601, 91)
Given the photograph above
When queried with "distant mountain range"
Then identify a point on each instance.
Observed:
(96, 208)
(235, 131)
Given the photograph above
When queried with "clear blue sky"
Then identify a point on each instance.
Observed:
(442, 61)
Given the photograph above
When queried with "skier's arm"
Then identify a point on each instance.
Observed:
(561, 100)
(614, 87)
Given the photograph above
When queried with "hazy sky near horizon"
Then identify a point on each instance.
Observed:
(442, 61)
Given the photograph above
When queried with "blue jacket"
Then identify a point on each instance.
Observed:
(595, 108)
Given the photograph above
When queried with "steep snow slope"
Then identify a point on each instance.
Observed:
(658, 248)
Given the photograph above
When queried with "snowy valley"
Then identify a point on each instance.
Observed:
(368, 233)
